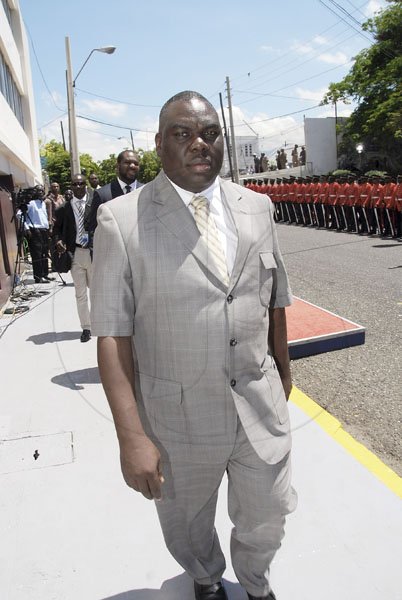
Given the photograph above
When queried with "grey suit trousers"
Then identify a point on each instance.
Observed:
(259, 498)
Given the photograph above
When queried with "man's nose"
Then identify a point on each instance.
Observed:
(199, 144)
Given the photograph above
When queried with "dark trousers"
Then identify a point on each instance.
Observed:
(38, 243)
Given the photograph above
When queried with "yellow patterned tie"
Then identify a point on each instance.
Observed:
(207, 227)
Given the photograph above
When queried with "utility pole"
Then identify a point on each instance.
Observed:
(132, 140)
(232, 134)
(72, 123)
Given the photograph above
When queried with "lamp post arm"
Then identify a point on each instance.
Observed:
(89, 56)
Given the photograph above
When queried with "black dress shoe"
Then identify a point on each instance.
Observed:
(271, 596)
(49, 278)
(41, 280)
(85, 335)
(215, 591)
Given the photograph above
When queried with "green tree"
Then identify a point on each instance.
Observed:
(106, 169)
(88, 165)
(150, 165)
(375, 83)
(57, 163)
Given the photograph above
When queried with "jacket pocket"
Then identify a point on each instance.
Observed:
(163, 404)
(268, 268)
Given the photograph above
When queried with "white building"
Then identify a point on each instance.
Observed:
(321, 145)
(246, 146)
(19, 151)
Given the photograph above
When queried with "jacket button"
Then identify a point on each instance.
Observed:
(229, 299)
(233, 382)
(233, 342)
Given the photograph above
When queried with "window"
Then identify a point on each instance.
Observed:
(10, 91)
(7, 10)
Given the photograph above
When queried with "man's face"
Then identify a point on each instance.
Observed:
(55, 189)
(190, 144)
(128, 167)
(93, 180)
(78, 184)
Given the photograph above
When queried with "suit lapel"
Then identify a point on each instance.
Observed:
(115, 188)
(176, 217)
(242, 223)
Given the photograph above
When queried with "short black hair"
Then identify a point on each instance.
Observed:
(123, 152)
(184, 96)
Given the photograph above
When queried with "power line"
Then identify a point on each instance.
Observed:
(63, 110)
(297, 82)
(118, 101)
(282, 116)
(126, 127)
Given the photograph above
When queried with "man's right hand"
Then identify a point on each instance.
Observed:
(60, 247)
(140, 465)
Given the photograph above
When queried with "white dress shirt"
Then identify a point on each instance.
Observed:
(221, 215)
(133, 186)
(75, 203)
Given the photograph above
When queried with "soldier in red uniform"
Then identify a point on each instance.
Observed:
(398, 207)
(364, 204)
(299, 197)
(323, 199)
(376, 221)
(386, 207)
(292, 199)
(332, 216)
(352, 194)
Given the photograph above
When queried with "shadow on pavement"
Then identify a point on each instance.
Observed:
(177, 588)
(52, 336)
(75, 380)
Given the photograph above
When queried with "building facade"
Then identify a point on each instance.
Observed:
(246, 146)
(19, 151)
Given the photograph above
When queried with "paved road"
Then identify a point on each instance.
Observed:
(359, 278)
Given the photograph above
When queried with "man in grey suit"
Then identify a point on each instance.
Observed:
(127, 167)
(188, 303)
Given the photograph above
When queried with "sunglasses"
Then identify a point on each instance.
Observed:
(75, 183)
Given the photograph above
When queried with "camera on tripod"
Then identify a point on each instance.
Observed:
(24, 197)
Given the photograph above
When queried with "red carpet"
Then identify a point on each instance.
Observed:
(313, 330)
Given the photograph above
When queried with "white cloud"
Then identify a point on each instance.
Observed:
(320, 40)
(336, 58)
(302, 48)
(104, 107)
(373, 6)
(269, 49)
(96, 140)
(272, 134)
(306, 94)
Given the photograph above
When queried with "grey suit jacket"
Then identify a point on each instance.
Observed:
(201, 348)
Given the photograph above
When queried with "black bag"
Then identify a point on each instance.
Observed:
(62, 262)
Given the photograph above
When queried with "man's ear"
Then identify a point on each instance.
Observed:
(158, 142)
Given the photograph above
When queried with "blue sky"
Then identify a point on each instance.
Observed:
(280, 58)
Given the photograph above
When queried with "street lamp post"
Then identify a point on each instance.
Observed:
(72, 120)
(360, 149)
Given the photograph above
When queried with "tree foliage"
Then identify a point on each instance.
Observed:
(57, 165)
(150, 165)
(375, 83)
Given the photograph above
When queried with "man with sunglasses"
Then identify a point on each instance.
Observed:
(71, 236)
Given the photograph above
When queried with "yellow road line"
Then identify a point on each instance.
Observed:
(333, 427)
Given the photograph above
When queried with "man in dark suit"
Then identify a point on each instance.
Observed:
(127, 167)
(70, 235)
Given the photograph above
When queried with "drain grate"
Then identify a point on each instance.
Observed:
(36, 452)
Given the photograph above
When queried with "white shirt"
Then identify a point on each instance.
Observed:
(221, 215)
(133, 186)
(75, 203)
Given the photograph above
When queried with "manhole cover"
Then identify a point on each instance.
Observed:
(36, 452)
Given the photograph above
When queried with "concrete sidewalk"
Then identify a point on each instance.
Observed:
(71, 530)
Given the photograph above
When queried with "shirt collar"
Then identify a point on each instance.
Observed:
(213, 191)
(123, 185)
(83, 199)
